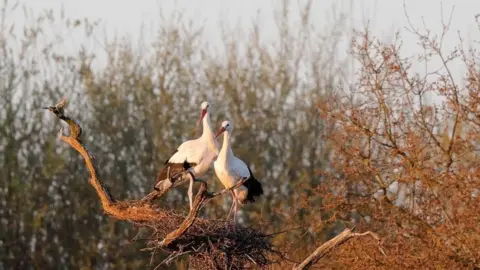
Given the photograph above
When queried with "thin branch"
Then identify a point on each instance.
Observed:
(284, 231)
(171, 257)
(238, 184)
(328, 246)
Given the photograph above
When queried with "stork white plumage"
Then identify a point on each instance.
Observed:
(195, 156)
(230, 169)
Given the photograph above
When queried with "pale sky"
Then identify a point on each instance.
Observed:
(127, 16)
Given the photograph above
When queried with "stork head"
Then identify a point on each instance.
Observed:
(205, 110)
(226, 126)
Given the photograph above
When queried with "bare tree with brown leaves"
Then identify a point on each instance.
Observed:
(406, 166)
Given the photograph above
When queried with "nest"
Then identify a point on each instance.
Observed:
(208, 243)
(212, 244)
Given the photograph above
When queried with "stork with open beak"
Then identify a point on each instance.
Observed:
(230, 169)
(193, 156)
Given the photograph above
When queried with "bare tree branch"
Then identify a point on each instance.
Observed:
(328, 246)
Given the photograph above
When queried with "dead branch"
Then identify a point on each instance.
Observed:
(328, 246)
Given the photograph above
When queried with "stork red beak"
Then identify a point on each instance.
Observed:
(204, 112)
(220, 131)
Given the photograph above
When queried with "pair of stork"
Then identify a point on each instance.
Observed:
(196, 156)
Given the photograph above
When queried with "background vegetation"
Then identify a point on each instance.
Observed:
(332, 150)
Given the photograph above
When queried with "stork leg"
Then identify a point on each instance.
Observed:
(233, 203)
(235, 207)
(190, 189)
(235, 211)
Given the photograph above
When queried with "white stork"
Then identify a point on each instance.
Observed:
(230, 169)
(194, 156)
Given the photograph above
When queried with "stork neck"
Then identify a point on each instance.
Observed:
(226, 149)
(207, 133)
